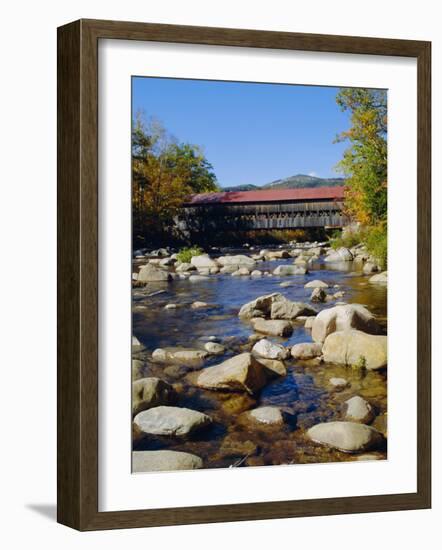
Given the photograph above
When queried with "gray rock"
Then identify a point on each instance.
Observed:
(241, 272)
(272, 328)
(343, 317)
(267, 349)
(180, 356)
(359, 410)
(379, 279)
(340, 255)
(171, 421)
(199, 305)
(273, 367)
(164, 461)
(349, 437)
(354, 347)
(288, 310)
(262, 304)
(151, 392)
(184, 267)
(286, 270)
(309, 322)
(370, 267)
(318, 295)
(316, 284)
(266, 415)
(256, 273)
(339, 383)
(203, 261)
(238, 260)
(198, 278)
(306, 350)
(149, 274)
(214, 349)
(240, 373)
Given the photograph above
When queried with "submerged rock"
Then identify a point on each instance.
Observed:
(171, 421)
(240, 373)
(379, 279)
(151, 392)
(349, 437)
(339, 383)
(343, 317)
(157, 461)
(272, 328)
(354, 347)
(266, 415)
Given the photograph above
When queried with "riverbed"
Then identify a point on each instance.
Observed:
(304, 395)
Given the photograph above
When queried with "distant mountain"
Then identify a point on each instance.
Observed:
(292, 182)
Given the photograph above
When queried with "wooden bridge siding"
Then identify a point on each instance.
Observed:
(268, 216)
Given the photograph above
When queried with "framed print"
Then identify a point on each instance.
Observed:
(243, 275)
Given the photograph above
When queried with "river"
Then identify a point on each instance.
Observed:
(304, 394)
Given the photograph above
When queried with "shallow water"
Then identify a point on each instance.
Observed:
(304, 395)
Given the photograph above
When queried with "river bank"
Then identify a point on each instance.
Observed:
(275, 405)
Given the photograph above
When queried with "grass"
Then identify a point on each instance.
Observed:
(186, 254)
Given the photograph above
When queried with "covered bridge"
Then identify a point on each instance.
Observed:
(269, 209)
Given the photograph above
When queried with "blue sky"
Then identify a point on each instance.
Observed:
(250, 133)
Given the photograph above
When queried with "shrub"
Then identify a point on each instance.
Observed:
(186, 254)
(377, 243)
(348, 240)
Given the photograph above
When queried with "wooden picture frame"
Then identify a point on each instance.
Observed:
(78, 274)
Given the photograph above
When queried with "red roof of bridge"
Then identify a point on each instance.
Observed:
(270, 195)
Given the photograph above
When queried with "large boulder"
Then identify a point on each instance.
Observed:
(203, 261)
(272, 328)
(343, 317)
(349, 437)
(261, 306)
(151, 392)
(354, 347)
(357, 409)
(171, 421)
(379, 279)
(240, 373)
(286, 270)
(157, 461)
(288, 310)
(151, 274)
(238, 261)
(267, 349)
(180, 356)
(340, 255)
(306, 350)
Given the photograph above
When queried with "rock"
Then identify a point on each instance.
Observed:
(198, 278)
(266, 415)
(306, 350)
(184, 267)
(370, 267)
(137, 369)
(273, 367)
(203, 261)
(381, 424)
(166, 262)
(316, 284)
(229, 269)
(379, 279)
(267, 349)
(273, 328)
(339, 383)
(171, 421)
(318, 295)
(241, 272)
(340, 255)
(285, 284)
(286, 309)
(262, 304)
(240, 373)
(179, 356)
(256, 273)
(214, 349)
(358, 410)
(170, 306)
(339, 294)
(309, 322)
(349, 437)
(343, 318)
(157, 461)
(199, 305)
(285, 270)
(149, 274)
(275, 254)
(134, 276)
(354, 347)
(151, 392)
(238, 260)
(233, 445)
(214, 270)
(135, 342)
(203, 271)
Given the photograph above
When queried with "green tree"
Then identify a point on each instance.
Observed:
(365, 161)
(164, 174)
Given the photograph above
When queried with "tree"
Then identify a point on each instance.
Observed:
(164, 174)
(365, 162)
